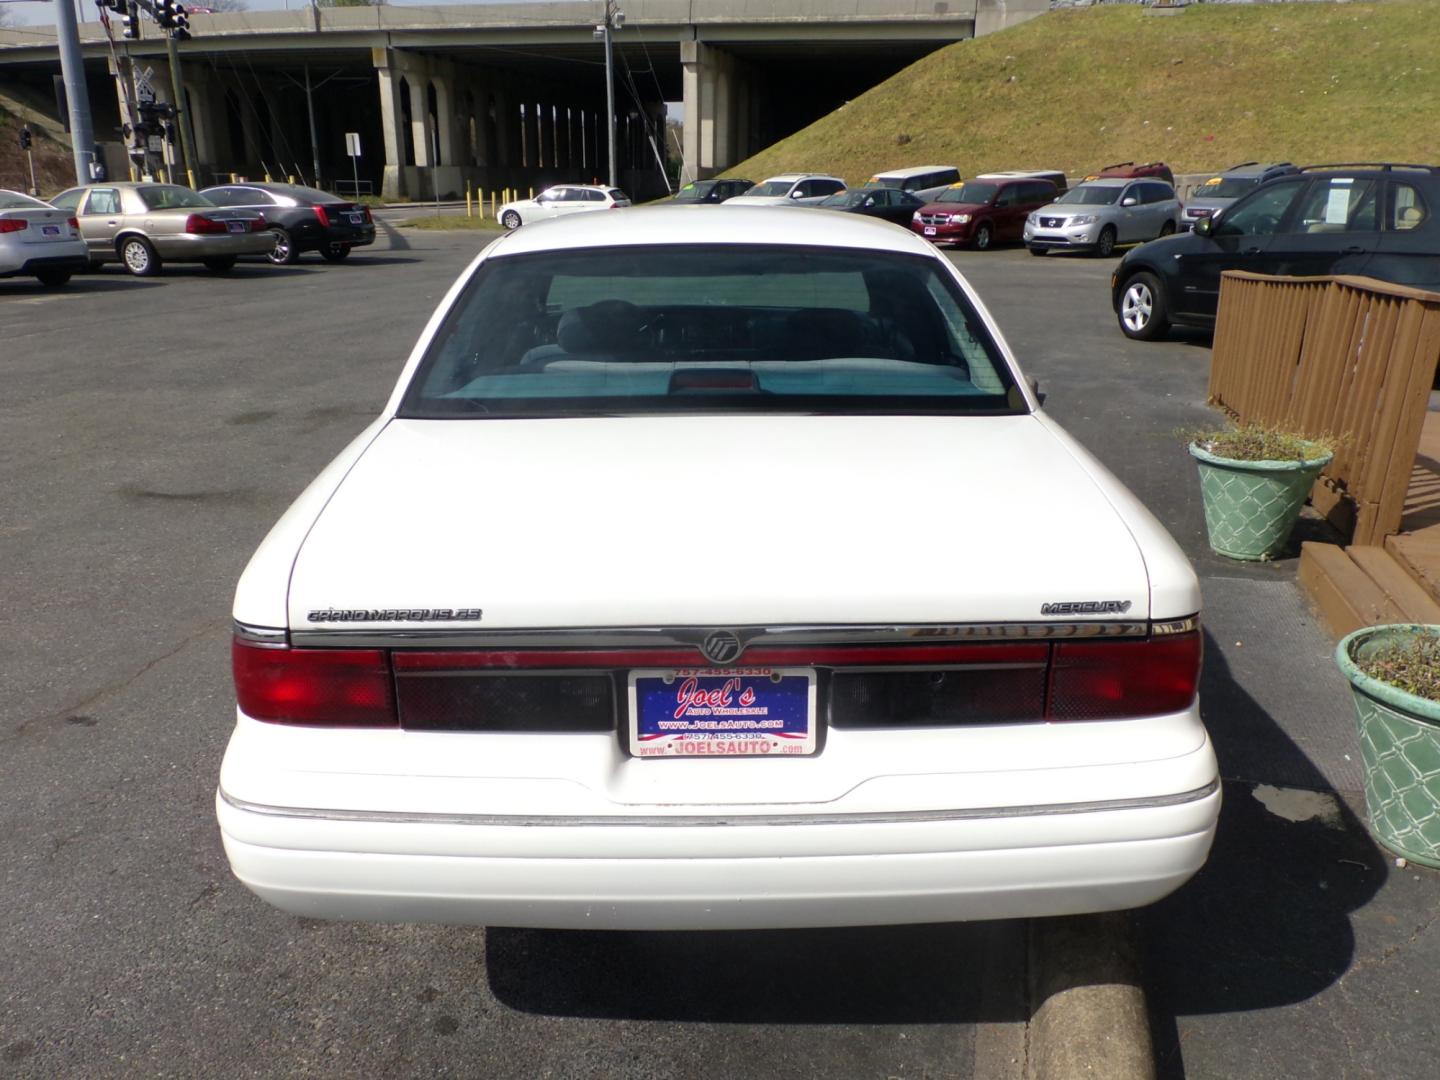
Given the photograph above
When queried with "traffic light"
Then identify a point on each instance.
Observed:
(130, 20)
(24, 138)
(180, 22)
(165, 14)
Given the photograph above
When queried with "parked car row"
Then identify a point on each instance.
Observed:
(143, 225)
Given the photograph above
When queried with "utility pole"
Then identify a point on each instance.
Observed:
(314, 144)
(175, 21)
(614, 20)
(72, 67)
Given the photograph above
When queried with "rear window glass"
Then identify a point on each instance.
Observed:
(13, 200)
(1229, 187)
(168, 196)
(711, 328)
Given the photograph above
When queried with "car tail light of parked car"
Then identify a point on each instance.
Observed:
(9, 225)
(991, 682)
(321, 216)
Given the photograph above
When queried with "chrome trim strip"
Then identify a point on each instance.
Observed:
(270, 636)
(386, 817)
(641, 637)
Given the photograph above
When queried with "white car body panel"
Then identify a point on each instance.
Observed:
(47, 235)
(516, 551)
(945, 521)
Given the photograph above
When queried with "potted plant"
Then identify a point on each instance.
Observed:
(1394, 674)
(1253, 481)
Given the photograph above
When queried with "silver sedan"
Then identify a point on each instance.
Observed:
(1100, 215)
(144, 225)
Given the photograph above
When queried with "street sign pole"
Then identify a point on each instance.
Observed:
(352, 147)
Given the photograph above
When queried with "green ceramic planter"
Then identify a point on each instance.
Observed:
(1400, 743)
(1251, 506)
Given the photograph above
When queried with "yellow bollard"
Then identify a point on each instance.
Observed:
(492, 205)
(232, 179)
(290, 179)
(532, 193)
(467, 198)
(480, 203)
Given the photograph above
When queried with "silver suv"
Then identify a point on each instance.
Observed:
(792, 189)
(1222, 190)
(1100, 214)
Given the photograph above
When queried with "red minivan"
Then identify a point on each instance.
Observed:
(982, 212)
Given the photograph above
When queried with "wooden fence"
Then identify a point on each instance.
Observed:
(1347, 357)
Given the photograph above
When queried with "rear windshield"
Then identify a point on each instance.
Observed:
(971, 192)
(711, 328)
(169, 196)
(1092, 194)
(13, 200)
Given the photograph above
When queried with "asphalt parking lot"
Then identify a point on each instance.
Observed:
(152, 432)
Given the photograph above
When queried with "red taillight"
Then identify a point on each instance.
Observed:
(321, 687)
(1115, 680)
(200, 225)
(9, 225)
(74, 223)
(321, 216)
(259, 224)
(368, 219)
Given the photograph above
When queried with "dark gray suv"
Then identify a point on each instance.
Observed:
(1222, 190)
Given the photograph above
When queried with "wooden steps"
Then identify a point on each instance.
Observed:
(1361, 586)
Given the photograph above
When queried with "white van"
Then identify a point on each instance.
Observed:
(923, 181)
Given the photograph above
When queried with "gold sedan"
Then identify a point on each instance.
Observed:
(145, 225)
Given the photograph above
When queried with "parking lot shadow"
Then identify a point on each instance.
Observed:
(80, 283)
(931, 974)
(1266, 922)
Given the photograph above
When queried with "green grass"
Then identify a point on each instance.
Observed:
(452, 222)
(1212, 86)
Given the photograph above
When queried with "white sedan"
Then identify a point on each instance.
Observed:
(39, 241)
(561, 201)
(715, 570)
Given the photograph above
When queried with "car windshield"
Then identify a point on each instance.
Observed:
(172, 197)
(13, 200)
(694, 192)
(969, 193)
(710, 328)
(772, 187)
(1229, 187)
(849, 198)
(1092, 195)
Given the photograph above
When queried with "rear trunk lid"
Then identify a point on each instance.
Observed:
(717, 521)
(42, 226)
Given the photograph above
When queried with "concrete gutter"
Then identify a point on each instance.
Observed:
(1087, 1007)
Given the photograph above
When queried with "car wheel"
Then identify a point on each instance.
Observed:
(335, 252)
(139, 256)
(510, 219)
(1037, 251)
(283, 253)
(983, 236)
(1142, 308)
(52, 279)
(221, 264)
(1167, 229)
(1105, 246)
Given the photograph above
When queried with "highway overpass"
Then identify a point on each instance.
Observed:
(506, 95)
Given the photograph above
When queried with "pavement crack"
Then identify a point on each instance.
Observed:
(84, 705)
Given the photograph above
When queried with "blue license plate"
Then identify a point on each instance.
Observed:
(236, 226)
(50, 230)
(722, 712)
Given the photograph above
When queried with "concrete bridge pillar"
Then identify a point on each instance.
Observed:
(392, 123)
(715, 89)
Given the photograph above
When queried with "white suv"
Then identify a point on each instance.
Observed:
(802, 189)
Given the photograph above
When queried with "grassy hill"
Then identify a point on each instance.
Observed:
(54, 166)
(1211, 86)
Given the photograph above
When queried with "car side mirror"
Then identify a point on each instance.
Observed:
(797, 194)
(1034, 385)
(1129, 200)
(1205, 226)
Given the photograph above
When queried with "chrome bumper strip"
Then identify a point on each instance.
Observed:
(652, 637)
(385, 817)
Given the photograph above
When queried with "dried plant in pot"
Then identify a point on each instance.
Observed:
(1394, 673)
(1254, 481)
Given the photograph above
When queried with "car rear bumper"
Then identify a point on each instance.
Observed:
(425, 859)
(36, 263)
(190, 247)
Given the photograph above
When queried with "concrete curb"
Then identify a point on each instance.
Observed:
(1087, 1007)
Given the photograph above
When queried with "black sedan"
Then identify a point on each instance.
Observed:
(1381, 221)
(712, 191)
(888, 203)
(302, 218)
